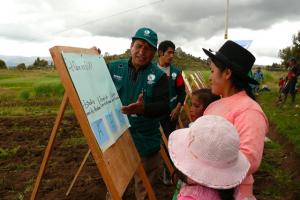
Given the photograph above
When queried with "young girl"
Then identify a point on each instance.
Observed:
(208, 159)
(200, 99)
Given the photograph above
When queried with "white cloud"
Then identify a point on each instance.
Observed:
(120, 45)
(30, 27)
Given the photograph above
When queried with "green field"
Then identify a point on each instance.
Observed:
(29, 92)
(39, 93)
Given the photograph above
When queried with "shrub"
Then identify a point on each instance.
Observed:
(21, 66)
(2, 64)
(24, 95)
(47, 90)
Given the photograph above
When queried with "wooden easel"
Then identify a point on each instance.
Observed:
(49, 146)
(163, 154)
(118, 164)
(198, 81)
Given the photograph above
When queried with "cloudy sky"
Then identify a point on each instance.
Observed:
(31, 27)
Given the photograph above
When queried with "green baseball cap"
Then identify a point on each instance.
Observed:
(148, 35)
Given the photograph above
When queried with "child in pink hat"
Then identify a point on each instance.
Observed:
(208, 159)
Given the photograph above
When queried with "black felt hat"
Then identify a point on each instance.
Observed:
(235, 57)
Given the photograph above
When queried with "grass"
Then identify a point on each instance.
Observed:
(8, 153)
(20, 196)
(269, 171)
(37, 93)
(29, 92)
(277, 181)
(25, 93)
(285, 116)
(23, 110)
(48, 89)
(19, 167)
(14, 82)
(71, 142)
(29, 185)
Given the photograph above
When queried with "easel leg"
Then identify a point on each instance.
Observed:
(163, 136)
(166, 159)
(49, 146)
(163, 152)
(186, 108)
(78, 172)
(141, 172)
(180, 123)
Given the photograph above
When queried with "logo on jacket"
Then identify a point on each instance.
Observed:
(117, 77)
(150, 78)
(174, 75)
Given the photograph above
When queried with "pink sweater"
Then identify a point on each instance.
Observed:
(252, 125)
(197, 192)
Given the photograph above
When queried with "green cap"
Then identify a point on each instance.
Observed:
(148, 35)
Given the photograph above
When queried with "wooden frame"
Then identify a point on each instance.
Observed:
(118, 164)
(162, 151)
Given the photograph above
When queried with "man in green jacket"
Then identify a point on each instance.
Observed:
(143, 90)
(166, 51)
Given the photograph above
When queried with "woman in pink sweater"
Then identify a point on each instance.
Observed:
(229, 79)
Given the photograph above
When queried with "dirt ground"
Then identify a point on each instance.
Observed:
(30, 136)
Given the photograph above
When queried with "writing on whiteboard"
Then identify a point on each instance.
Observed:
(84, 66)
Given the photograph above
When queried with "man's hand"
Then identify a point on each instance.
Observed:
(134, 108)
(175, 112)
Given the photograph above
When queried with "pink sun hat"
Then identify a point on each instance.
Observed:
(208, 153)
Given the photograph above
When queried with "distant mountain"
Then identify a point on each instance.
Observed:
(181, 59)
(12, 61)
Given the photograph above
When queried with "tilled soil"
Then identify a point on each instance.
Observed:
(29, 136)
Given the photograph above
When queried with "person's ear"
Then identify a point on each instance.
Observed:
(227, 73)
(160, 53)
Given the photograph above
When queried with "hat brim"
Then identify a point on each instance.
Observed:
(226, 62)
(146, 40)
(200, 172)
